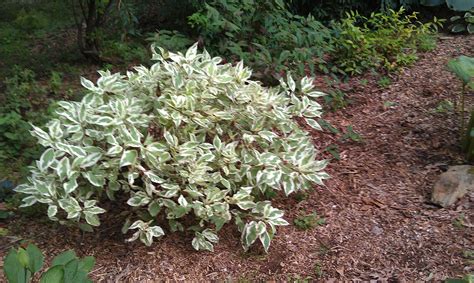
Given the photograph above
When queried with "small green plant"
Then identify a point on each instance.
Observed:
(427, 42)
(384, 82)
(309, 221)
(56, 82)
(333, 149)
(469, 255)
(301, 196)
(328, 126)
(389, 104)
(460, 221)
(444, 106)
(318, 270)
(352, 135)
(336, 99)
(463, 68)
(20, 265)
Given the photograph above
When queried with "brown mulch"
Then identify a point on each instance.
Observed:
(380, 224)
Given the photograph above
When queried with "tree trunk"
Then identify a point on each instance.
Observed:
(88, 23)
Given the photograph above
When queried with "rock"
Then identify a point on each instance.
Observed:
(453, 185)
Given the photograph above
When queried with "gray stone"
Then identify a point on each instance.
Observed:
(453, 185)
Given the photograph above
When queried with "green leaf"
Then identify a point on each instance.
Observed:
(154, 208)
(36, 258)
(86, 227)
(70, 270)
(217, 143)
(23, 258)
(70, 185)
(289, 186)
(87, 263)
(47, 158)
(265, 240)
(458, 28)
(54, 275)
(129, 157)
(64, 168)
(13, 269)
(63, 258)
(463, 67)
(313, 124)
(92, 219)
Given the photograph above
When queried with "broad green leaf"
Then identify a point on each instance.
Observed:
(47, 158)
(63, 258)
(36, 258)
(13, 269)
(463, 67)
(87, 263)
(129, 157)
(53, 275)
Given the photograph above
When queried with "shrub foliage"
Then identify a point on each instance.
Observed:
(189, 140)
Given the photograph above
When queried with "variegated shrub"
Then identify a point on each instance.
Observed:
(189, 137)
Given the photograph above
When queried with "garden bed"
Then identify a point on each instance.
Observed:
(379, 222)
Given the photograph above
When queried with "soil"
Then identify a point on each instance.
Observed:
(379, 223)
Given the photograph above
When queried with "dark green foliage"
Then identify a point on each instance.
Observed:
(309, 221)
(264, 34)
(352, 135)
(463, 23)
(384, 82)
(124, 52)
(21, 264)
(171, 40)
(336, 99)
(23, 102)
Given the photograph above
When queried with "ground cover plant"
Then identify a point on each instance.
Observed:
(187, 136)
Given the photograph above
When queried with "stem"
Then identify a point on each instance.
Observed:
(462, 109)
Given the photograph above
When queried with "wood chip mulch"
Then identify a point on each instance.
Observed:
(380, 224)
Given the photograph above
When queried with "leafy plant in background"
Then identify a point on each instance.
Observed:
(456, 5)
(384, 39)
(171, 40)
(187, 137)
(463, 68)
(21, 103)
(264, 34)
(20, 265)
(31, 20)
(463, 23)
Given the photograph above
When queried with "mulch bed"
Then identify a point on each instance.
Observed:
(380, 224)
